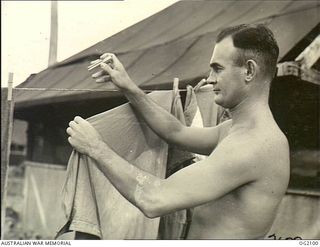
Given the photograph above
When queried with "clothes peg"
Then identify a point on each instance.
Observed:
(175, 85)
(10, 85)
(200, 84)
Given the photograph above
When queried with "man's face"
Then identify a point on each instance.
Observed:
(227, 78)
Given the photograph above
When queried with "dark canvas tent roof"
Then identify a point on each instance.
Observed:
(176, 42)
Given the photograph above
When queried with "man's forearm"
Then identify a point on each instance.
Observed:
(137, 186)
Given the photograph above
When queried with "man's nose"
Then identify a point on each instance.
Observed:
(212, 79)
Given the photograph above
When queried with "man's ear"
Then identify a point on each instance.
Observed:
(251, 70)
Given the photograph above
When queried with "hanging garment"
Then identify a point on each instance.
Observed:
(91, 203)
(190, 106)
(177, 158)
(211, 113)
(201, 101)
(193, 114)
(173, 226)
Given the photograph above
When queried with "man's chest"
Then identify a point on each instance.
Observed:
(218, 209)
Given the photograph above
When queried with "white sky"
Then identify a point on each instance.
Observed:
(25, 29)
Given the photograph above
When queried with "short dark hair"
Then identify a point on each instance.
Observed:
(256, 41)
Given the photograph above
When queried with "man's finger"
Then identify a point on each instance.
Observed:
(102, 79)
(81, 123)
(70, 140)
(106, 68)
(99, 73)
(104, 55)
(70, 131)
(79, 119)
(115, 61)
(107, 54)
(73, 124)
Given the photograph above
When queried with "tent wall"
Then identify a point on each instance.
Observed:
(298, 217)
(42, 207)
(295, 106)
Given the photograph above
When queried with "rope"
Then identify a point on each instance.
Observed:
(86, 90)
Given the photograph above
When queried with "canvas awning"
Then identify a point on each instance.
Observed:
(176, 42)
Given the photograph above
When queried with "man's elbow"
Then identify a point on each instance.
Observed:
(152, 208)
(151, 213)
(177, 136)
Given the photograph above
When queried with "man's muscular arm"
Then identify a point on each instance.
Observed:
(230, 166)
(198, 140)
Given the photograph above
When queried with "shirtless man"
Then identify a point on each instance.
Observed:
(235, 192)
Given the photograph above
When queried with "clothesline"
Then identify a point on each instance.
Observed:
(86, 90)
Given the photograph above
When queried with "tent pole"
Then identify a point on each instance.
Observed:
(53, 34)
(6, 134)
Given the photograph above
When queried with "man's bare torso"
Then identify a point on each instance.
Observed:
(248, 211)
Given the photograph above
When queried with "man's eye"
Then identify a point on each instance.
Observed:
(217, 69)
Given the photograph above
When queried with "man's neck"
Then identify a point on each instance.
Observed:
(249, 112)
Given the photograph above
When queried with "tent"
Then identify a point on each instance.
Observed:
(176, 42)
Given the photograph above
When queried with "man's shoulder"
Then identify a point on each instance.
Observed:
(272, 139)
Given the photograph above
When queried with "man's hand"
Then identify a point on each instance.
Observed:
(83, 136)
(115, 71)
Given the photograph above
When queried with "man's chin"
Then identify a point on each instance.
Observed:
(218, 100)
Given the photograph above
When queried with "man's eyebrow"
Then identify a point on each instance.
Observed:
(215, 65)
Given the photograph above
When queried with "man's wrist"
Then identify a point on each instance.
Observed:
(130, 87)
(97, 149)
